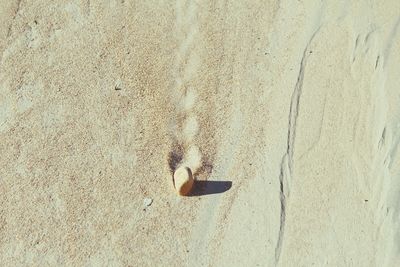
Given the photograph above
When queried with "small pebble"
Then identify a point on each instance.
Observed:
(147, 202)
(118, 85)
(183, 180)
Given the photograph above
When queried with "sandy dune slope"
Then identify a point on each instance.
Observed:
(287, 113)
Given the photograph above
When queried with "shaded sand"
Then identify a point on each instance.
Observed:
(287, 112)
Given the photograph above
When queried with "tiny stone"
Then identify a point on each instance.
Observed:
(147, 202)
(118, 85)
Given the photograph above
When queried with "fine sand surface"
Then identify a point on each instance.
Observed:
(287, 113)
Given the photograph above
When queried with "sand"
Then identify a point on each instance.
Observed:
(287, 113)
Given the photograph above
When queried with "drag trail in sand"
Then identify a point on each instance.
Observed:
(185, 126)
(286, 112)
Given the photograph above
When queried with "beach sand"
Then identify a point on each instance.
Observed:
(286, 112)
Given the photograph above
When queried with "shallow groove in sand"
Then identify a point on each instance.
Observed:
(286, 172)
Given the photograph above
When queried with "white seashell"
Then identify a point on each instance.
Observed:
(183, 180)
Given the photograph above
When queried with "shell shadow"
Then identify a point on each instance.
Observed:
(202, 188)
